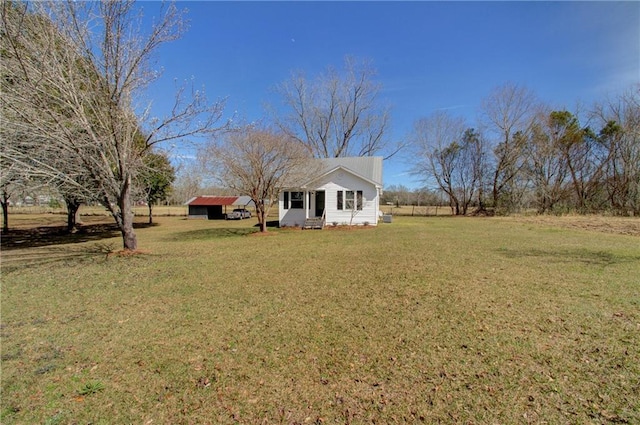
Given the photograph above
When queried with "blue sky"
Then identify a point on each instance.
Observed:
(429, 56)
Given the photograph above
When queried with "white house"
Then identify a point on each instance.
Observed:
(345, 191)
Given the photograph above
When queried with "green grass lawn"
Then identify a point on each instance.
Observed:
(434, 320)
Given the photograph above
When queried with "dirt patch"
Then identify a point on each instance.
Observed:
(618, 225)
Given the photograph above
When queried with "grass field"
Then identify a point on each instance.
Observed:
(434, 320)
(182, 210)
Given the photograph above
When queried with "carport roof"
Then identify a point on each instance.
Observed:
(207, 201)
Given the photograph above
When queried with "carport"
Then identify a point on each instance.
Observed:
(210, 207)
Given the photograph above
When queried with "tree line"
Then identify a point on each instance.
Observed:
(525, 154)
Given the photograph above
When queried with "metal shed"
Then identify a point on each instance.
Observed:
(210, 207)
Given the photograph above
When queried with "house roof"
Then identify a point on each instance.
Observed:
(243, 200)
(369, 167)
(365, 167)
(207, 201)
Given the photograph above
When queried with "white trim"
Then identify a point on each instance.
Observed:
(340, 167)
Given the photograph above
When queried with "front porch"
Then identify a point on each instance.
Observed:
(314, 222)
(303, 208)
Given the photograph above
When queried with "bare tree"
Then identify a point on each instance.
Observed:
(508, 115)
(398, 195)
(338, 114)
(620, 138)
(258, 162)
(472, 168)
(37, 164)
(75, 70)
(443, 150)
(577, 149)
(28, 164)
(187, 184)
(11, 181)
(546, 166)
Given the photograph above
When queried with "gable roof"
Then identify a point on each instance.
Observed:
(244, 200)
(366, 167)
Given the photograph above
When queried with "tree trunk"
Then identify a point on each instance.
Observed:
(263, 223)
(5, 212)
(129, 239)
(261, 212)
(72, 208)
(465, 207)
(481, 196)
(150, 204)
(495, 191)
(262, 218)
(454, 203)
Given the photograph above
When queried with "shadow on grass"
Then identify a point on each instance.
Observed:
(47, 236)
(15, 261)
(57, 235)
(205, 234)
(595, 258)
(43, 245)
(272, 224)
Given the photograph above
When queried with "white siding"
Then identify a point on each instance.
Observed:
(331, 184)
(343, 180)
(291, 217)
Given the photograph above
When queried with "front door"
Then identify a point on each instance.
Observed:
(319, 203)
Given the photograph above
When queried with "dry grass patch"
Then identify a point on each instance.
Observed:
(617, 225)
(438, 320)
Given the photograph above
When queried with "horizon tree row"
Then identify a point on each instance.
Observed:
(527, 155)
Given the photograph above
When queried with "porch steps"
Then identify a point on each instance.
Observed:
(313, 223)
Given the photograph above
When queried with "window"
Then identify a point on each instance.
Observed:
(286, 200)
(297, 200)
(349, 200)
